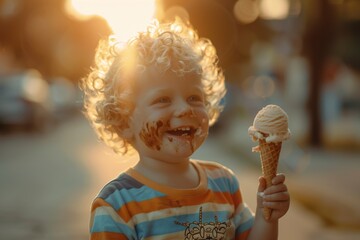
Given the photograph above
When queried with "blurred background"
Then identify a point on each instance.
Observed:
(303, 55)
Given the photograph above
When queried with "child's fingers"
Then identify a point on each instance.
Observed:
(284, 205)
(277, 197)
(261, 189)
(275, 189)
(279, 178)
(262, 184)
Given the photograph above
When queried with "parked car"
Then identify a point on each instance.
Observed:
(65, 98)
(24, 100)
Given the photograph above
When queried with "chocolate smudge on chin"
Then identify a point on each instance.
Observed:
(191, 142)
(150, 134)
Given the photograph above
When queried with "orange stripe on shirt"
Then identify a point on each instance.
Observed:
(99, 202)
(237, 198)
(127, 211)
(210, 165)
(214, 197)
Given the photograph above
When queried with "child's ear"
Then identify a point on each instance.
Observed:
(127, 133)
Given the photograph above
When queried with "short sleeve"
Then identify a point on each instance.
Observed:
(243, 216)
(106, 223)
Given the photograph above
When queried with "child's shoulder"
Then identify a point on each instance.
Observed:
(123, 183)
(211, 166)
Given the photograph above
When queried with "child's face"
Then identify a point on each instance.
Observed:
(169, 121)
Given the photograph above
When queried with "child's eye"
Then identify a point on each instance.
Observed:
(162, 100)
(195, 98)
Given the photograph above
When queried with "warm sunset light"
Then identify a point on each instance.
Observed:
(125, 17)
(246, 11)
(274, 9)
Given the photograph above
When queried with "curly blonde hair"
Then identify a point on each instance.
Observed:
(166, 48)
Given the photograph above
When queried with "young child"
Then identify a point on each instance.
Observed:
(158, 95)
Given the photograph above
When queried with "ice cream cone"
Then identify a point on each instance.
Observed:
(269, 154)
(270, 129)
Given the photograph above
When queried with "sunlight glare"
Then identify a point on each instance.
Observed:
(125, 17)
(274, 9)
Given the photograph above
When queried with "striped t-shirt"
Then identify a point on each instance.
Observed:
(135, 207)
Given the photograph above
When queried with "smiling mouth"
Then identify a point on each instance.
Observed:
(182, 132)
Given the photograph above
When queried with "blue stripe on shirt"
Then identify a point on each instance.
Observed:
(222, 184)
(244, 226)
(124, 181)
(243, 215)
(105, 223)
(120, 197)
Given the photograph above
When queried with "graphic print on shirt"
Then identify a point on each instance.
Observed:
(204, 230)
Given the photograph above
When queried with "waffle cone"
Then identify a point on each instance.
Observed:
(269, 154)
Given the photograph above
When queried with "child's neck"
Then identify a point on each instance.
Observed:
(180, 174)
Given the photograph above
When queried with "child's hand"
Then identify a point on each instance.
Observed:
(275, 197)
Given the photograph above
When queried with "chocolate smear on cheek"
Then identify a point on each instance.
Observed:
(150, 134)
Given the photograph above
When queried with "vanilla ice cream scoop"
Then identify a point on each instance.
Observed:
(270, 124)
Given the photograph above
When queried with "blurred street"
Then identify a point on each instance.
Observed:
(302, 55)
(48, 182)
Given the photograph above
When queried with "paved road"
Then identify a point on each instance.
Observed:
(47, 183)
(40, 174)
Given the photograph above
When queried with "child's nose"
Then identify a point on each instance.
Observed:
(183, 109)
